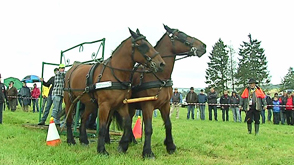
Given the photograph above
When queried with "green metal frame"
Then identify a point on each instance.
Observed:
(62, 58)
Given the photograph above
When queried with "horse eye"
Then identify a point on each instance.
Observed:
(143, 48)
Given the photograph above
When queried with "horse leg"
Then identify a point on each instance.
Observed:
(168, 142)
(70, 138)
(147, 119)
(125, 139)
(103, 115)
(107, 135)
(132, 112)
(85, 116)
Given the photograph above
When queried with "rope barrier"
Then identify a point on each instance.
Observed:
(235, 104)
(16, 97)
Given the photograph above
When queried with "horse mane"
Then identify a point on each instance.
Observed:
(119, 46)
(160, 40)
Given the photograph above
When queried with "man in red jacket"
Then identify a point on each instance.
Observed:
(35, 97)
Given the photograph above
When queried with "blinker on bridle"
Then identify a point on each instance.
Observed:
(182, 37)
(142, 48)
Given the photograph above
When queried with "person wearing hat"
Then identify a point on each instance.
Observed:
(2, 98)
(57, 93)
(176, 101)
(191, 99)
(253, 101)
(35, 97)
(49, 99)
(12, 96)
(25, 94)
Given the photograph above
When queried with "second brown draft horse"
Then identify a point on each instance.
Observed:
(173, 43)
(81, 83)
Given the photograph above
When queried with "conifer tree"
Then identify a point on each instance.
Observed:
(288, 80)
(252, 63)
(218, 68)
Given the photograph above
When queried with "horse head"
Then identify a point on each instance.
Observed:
(144, 53)
(192, 46)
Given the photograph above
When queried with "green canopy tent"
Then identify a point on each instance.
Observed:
(17, 82)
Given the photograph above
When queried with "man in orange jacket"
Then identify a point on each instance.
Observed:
(253, 101)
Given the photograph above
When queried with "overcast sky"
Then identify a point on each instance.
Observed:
(35, 31)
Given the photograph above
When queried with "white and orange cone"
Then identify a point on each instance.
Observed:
(137, 130)
(53, 138)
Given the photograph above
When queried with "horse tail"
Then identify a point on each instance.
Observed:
(119, 120)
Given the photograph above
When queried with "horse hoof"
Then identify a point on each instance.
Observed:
(171, 149)
(104, 152)
(71, 142)
(121, 150)
(148, 155)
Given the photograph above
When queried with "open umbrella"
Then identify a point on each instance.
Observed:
(17, 82)
(31, 79)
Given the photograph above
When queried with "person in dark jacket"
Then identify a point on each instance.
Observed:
(212, 101)
(191, 100)
(2, 99)
(202, 99)
(176, 101)
(235, 101)
(12, 96)
(253, 101)
(283, 101)
(49, 83)
(269, 102)
(25, 93)
(225, 101)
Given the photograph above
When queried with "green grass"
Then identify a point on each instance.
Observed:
(198, 142)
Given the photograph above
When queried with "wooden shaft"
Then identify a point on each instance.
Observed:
(134, 100)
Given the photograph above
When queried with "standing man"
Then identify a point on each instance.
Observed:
(49, 84)
(25, 93)
(253, 101)
(176, 101)
(12, 96)
(212, 101)
(283, 101)
(225, 101)
(269, 102)
(35, 97)
(191, 99)
(57, 93)
(235, 101)
(202, 99)
(2, 98)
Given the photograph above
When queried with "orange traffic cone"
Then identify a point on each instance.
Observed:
(53, 138)
(137, 131)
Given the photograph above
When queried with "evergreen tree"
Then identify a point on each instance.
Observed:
(252, 64)
(288, 80)
(218, 68)
(232, 66)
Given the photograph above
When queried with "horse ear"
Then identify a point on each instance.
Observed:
(168, 29)
(133, 34)
(138, 32)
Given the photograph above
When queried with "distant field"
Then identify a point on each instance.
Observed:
(198, 142)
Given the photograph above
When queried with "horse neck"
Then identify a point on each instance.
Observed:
(165, 48)
(121, 59)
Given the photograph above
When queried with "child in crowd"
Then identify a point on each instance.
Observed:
(276, 110)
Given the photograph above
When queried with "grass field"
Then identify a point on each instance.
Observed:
(198, 142)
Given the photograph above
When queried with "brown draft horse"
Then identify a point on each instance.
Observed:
(80, 85)
(172, 44)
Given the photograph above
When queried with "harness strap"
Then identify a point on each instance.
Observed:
(152, 84)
